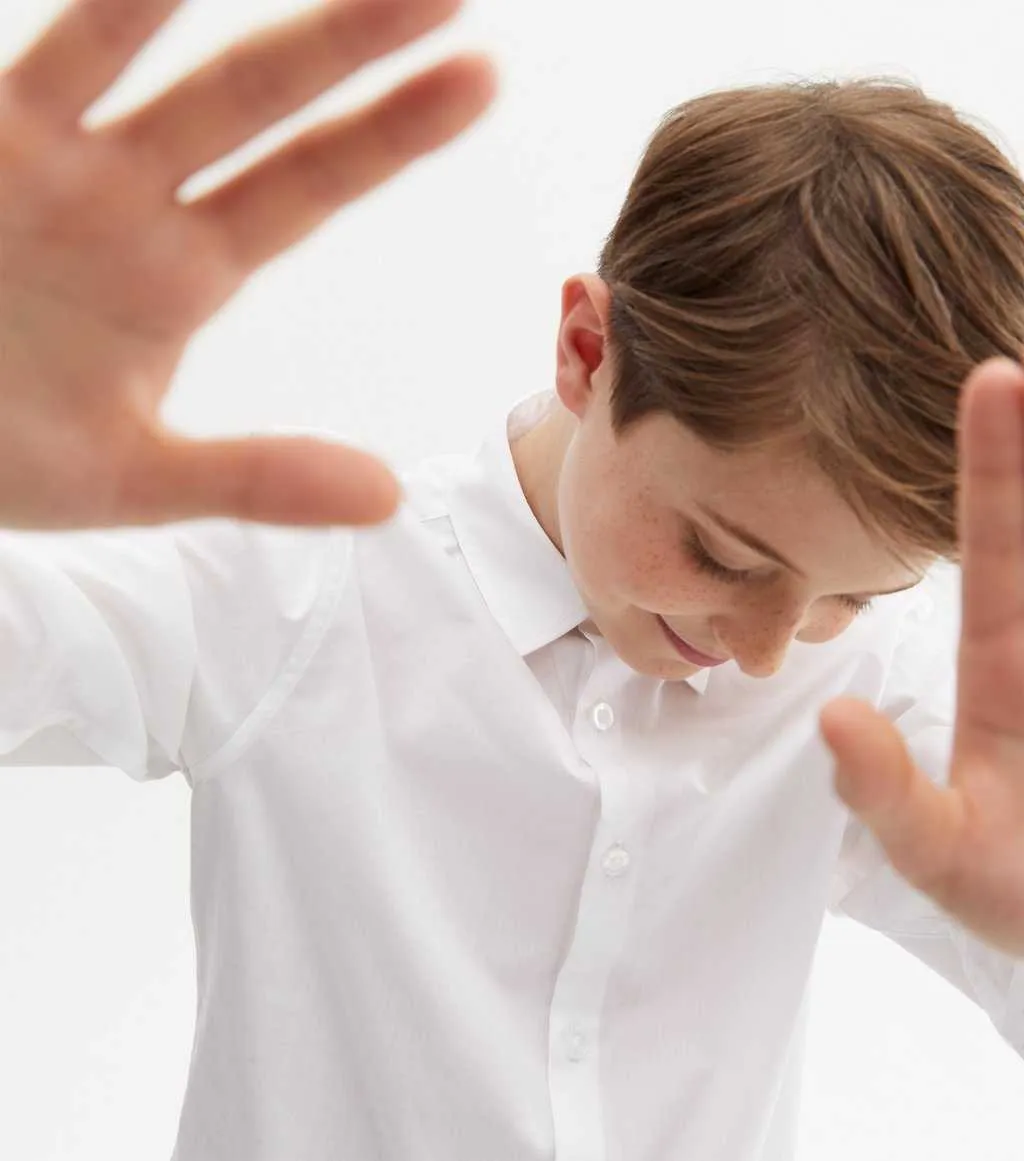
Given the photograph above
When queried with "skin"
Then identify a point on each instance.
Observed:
(618, 509)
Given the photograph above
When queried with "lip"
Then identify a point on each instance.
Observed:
(694, 656)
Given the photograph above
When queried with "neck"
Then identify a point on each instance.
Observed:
(538, 455)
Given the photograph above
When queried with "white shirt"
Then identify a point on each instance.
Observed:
(464, 886)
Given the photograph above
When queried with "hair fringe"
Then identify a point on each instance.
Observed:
(820, 265)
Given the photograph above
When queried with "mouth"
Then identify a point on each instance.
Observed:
(687, 651)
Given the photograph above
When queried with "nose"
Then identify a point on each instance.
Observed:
(758, 644)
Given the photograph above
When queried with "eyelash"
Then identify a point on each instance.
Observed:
(711, 566)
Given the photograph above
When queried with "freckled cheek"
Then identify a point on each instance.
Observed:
(825, 623)
(675, 589)
(604, 547)
(597, 552)
(656, 574)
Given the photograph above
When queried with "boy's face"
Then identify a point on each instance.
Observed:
(621, 511)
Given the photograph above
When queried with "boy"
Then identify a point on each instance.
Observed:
(503, 845)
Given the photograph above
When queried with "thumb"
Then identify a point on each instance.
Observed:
(294, 479)
(916, 822)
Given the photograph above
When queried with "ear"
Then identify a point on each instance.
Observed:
(582, 339)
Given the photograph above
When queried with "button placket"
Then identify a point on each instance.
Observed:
(576, 1036)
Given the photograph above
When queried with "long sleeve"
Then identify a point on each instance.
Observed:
(920, 697)
(147, 648)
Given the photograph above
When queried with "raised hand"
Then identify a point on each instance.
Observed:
(963, 845)
(106, 273)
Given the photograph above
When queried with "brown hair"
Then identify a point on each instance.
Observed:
(820, 265)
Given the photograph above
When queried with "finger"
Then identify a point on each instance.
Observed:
(919, 825)
(991, 502)
(82, 53)
(269, 76)
(268, 479)
(273, 206)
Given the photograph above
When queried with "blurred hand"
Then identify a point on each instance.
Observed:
(105, 273)
(963, 844)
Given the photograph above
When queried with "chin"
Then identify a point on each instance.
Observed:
(662, 669)
(639, 657)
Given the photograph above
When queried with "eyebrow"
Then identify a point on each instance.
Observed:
(758, 545)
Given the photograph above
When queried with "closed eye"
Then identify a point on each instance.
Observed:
(707, 563)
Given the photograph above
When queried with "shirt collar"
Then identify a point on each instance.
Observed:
(521, 575)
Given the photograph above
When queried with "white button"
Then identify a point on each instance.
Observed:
(602, 716)
(615, 861)
(576, 1044)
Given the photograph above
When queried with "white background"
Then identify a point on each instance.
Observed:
(408, 322)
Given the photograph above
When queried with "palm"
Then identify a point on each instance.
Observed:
(105, 241)
(964, 846)
(107, 273)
